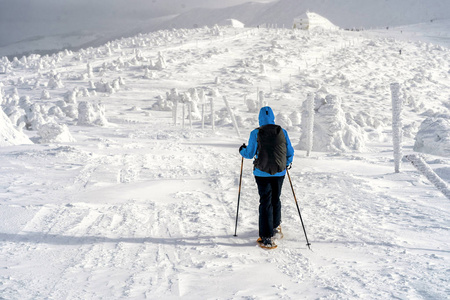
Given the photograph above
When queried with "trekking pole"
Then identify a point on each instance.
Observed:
(239, 196)
(296, 203)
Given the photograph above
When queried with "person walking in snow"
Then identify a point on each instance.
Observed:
(272, 151)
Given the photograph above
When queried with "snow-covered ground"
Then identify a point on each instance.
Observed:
(48, 26)
(140, 208)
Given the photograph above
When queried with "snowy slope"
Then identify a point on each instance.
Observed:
(244, 13)
(358, 13)
(138, 207)
(43, 27)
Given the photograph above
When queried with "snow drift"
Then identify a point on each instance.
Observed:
(231, 23)
(311, 21)
(9, 135)
(433, 137)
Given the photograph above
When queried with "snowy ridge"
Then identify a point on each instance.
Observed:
(139, 205)
(358, 13)
(46, 27)
(313, 21)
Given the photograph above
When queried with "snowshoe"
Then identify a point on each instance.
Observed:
(277, 233)
(266, 243)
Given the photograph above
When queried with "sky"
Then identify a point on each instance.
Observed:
(22, 9)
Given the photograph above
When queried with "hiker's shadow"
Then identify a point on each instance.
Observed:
(57, 239)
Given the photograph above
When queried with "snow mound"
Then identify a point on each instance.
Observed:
(331, 129)
(231, 23)
(91, 114)
(9, 135)
(55, 133)
(433, 137)
(311, 21)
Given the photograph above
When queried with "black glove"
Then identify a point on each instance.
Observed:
(242, 147)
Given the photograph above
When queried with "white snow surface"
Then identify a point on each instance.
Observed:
(9, 134)
(232, 23)
(433, 137)
(313, 21)
(46, 26)
(140, 205)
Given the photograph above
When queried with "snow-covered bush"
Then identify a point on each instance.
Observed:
(331, 131)
(104, 87)
(296, 118)
(223, 117)
(161, 63)
(215, 31)
(45, 95)
(83, 92)
(57, 112)
(9, 135)
(55, 133)
(283, 120)
(163, 104)
(35, 117)
(71, 97)
(91, 114)
(70, 110)
(262, 69)
(148, 74)
(14, 113)
(193, 100)
(245, 80)
(433, 137)
(252, 105)
(55, 83)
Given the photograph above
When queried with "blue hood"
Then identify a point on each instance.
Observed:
(266, 116)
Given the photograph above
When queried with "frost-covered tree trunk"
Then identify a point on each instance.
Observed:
(184, 114)
(202, 99)
(309, 123)
(203, 116)
(233, 119)
(212, 115)
(175, 111)
(89, 70)
(397, 132)
(190, 104)
(423, 168)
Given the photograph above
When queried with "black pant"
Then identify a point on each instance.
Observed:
(269, 189)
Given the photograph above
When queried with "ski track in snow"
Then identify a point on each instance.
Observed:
(142, 209)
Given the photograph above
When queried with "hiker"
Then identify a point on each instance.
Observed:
(269, 144)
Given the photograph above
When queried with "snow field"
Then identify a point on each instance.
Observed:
(139, 208)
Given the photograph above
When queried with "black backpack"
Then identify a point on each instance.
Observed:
(271, 151)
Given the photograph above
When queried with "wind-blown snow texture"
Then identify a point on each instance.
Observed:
(136, 207)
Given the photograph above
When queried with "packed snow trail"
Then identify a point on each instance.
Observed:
(179, 242)
(140, 208)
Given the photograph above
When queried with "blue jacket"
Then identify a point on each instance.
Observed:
(266, 116)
